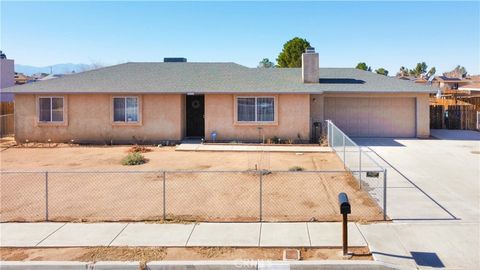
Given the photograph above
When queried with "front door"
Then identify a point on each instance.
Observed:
(195, 116)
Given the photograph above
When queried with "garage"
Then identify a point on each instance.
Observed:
(373, 116)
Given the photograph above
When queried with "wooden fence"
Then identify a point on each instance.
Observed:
(6, 125)
(437, 120)
(453, 117)
(6, 119)
(447, 102)
(474, 100)
(6, 107)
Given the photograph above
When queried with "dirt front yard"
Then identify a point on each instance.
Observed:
(90, 184)
(164, 158)
(159, 253)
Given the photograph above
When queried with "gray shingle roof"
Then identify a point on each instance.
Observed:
(216, 78)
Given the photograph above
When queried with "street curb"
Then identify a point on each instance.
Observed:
(262, 265)
(43, 265)
(201, 265)
(198, 265)
(116, 265)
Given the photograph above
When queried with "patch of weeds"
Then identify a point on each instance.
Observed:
(274, 140)
(296, 169)
(135, 158)
(139, 149)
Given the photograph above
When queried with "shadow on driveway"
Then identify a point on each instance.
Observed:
(428, 259)
(455, 135)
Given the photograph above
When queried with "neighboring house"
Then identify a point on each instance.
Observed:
(21, 78)
(7, 78)
(474, 78)
(472, 89)
(155, 102)
(52, 76)
(38, 76)
(449, 83)
(421, 80)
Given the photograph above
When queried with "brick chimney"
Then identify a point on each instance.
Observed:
(310, 66)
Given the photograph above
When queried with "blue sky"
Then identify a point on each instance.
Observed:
(383, 34)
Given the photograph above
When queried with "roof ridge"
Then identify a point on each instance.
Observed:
(159, 62)
(76, 74)
(214, 77)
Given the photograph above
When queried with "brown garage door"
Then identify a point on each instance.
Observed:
(372, 117)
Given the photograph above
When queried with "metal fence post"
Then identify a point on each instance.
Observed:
(329, 135)
(332, 140)
(46, 196)
(164, 197)
(360, 166)
(261, 191)
(384, 194)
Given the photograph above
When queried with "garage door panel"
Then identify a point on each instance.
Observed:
(372, 117)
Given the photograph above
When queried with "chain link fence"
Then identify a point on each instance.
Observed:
(371, 176)
(224, 196)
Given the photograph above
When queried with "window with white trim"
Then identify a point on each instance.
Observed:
(50, 109)
(255, 109)
(125, 109)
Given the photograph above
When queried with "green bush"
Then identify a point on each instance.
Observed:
(135, 158)
(296, 169)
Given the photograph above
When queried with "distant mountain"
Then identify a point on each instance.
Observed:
(56, 69)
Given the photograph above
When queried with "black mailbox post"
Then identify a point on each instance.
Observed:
(344, 210)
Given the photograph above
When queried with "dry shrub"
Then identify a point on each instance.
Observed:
(296, 169)
(134, 158)
(139, 149)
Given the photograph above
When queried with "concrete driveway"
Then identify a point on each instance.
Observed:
(433, 199)
(432, 179)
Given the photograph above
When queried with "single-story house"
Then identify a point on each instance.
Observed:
(472, 89)
(449, 83)
(154, 102)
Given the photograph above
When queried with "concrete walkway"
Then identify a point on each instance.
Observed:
(177, 235)
(424, 245)
(251, 148)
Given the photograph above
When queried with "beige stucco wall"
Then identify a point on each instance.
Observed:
(292, 118)
(422, 114)
(88, 118)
